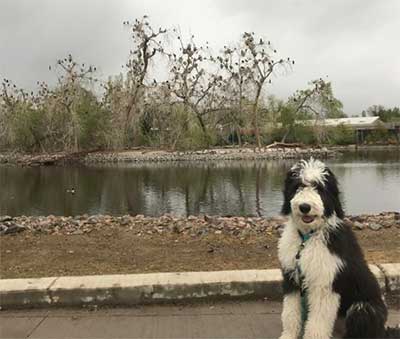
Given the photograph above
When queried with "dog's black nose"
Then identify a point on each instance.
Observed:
(305, 208)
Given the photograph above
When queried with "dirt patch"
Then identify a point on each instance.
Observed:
(118, 250)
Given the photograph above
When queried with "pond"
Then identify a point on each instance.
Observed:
(370, 183)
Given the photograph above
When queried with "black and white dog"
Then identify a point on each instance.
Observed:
(325, 275)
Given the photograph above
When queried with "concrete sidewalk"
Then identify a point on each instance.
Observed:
(257, 319)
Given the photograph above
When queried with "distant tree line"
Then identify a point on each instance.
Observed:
(198, 99)
(384, 114)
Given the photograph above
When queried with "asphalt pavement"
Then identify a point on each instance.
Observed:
(246, 319)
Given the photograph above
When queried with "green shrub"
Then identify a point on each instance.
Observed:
(93, 120)
(341, 135)
(302, 134)
(27, 128)
(380, 135)
(273, 135)
(297, 134)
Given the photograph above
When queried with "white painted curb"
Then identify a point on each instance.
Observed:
(134, 289)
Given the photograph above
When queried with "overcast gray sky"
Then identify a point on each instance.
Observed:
(355, 42)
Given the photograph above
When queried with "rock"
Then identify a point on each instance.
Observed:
(236, 232)
(374, 226)
(358, 226)
(387, 224)
(6, 218)
(75, 222)
(13, 229)
(175, 229)
(126, 220)
(3, 229)
(242, 224)
(210, 219)
(92, 220)
(356, 218)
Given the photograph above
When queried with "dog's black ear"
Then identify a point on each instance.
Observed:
(286, 209)
(331, 182)
(332, 187)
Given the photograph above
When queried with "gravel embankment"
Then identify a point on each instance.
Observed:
(195, 226)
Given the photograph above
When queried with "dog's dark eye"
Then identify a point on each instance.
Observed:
(294, 174)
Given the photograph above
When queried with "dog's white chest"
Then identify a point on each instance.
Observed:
(318, 266)
(313, 260)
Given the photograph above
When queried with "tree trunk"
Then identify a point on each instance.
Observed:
(285, 136)
(255, 115)
(203, 128)
(258, 206)
(239, 137)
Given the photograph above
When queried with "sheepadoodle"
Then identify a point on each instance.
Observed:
(325, 275)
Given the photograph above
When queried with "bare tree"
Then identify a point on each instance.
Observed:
(147, 42)
(236, 78)
(72, 77)
(192, 82)
(19, 116)
(318, 102)
(258, 64)
(10, 98)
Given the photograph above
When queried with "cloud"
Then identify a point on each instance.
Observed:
(354, 42)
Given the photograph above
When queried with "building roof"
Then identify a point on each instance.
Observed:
(352, 122)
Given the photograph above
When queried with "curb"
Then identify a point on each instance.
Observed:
(155, 288)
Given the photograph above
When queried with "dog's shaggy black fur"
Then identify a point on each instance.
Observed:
(359, 296)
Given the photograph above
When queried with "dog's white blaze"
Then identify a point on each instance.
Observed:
(291, 316)
(310, 196)
(312, 171)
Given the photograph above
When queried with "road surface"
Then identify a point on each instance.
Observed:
(250, 319)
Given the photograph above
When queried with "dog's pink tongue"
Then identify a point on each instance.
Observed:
(307, 218)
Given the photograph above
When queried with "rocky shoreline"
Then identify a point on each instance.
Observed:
(275, 151)
(195, 226)
(149, 155)
(209, 155)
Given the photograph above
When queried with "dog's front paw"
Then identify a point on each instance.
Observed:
(288, 336)
(315, 332)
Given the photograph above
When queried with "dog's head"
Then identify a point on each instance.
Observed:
(311, 195)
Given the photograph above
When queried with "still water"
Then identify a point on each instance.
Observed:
(370, 182)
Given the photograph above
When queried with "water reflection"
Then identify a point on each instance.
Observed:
(370, 183)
